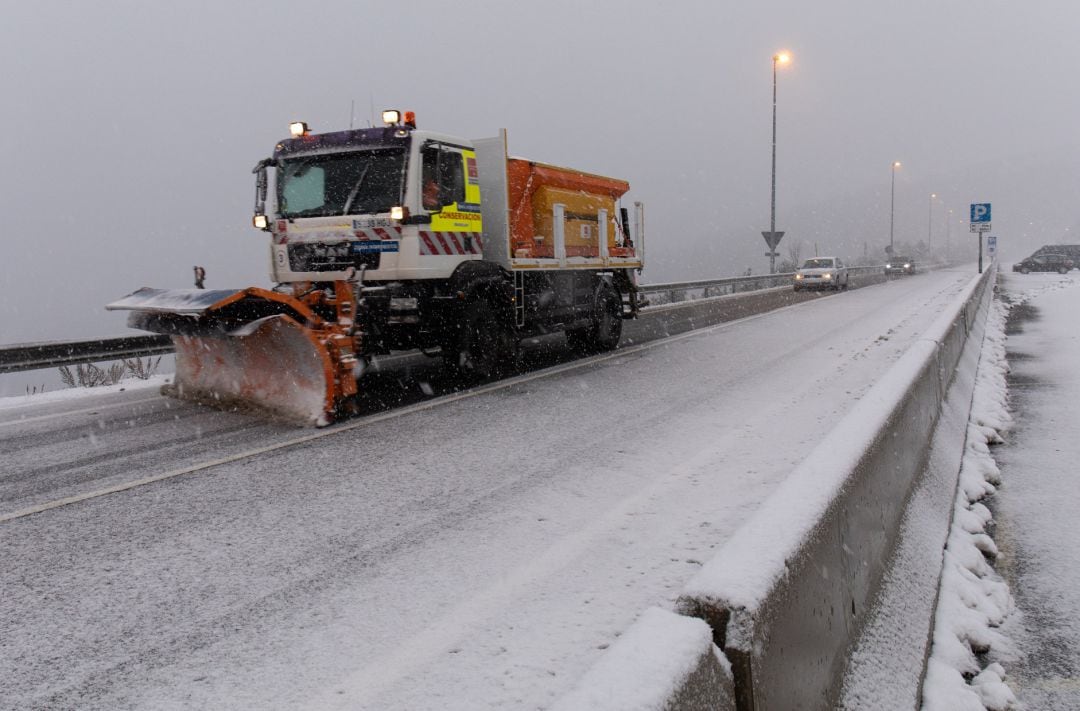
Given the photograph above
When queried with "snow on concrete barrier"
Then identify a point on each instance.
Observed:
(787, 595)
(664, 661)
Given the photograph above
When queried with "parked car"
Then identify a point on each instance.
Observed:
(821, 273)
(900, 265)
(1070, 251)
(1045, 263)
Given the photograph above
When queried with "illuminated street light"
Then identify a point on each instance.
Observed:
(778, 58)
(892, 205)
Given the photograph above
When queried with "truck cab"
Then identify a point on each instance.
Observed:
(357, 199)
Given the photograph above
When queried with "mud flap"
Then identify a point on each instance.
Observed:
(273, 364)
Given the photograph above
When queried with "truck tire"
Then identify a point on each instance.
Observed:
(486, 346)
(604, 332)
(608, 320)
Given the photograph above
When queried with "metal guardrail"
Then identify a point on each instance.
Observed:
(52, 354)
(680, 291)
(33, 356)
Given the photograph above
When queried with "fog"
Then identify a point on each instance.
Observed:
(130, 129)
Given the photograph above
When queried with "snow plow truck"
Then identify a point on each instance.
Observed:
(395, 238)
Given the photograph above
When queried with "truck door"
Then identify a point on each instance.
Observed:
(450, 193)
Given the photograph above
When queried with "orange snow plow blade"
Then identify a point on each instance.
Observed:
(280, 367)
(254, 348)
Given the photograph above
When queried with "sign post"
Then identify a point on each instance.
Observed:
(980, 223)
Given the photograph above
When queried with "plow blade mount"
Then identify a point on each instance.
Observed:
(250, 348)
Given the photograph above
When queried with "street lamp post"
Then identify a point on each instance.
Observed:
(948, 236)
(778, 58)
(930, 228)
(892, 204)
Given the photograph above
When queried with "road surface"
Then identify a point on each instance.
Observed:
(477, 550)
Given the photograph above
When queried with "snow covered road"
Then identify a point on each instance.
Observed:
(477, 554)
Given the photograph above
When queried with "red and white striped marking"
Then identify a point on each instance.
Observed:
(378, 233)
(448, 243)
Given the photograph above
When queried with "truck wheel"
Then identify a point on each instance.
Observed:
(487, 346)
(606, 328)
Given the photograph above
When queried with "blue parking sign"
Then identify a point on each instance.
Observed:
(980, 212)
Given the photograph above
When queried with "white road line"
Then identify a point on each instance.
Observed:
(38, 418)
(372, 419)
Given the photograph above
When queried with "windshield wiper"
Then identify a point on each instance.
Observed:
(356, 189)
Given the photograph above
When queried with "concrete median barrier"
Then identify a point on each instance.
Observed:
(664, 661)
(788, 594)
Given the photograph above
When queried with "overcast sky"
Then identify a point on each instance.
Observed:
(130, 128)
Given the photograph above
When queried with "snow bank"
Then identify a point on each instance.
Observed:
(663, 661)
(789, 591)
(67, 394)
(973, 600)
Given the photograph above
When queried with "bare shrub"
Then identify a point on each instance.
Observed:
(91, 376)
(136, 368)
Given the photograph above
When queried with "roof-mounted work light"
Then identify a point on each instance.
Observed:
(298, 128)
(391, 117)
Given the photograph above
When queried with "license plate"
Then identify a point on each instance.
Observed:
(370, 222)
(369, 246)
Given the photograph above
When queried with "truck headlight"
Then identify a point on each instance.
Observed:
(826, 276)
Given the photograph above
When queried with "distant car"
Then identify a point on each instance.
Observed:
(821, 273)
(1045, 263)
(900, 265)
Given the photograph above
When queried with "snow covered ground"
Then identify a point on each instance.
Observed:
(1020, 620)
(1037, 507)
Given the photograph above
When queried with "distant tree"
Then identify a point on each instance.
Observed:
(794, 250)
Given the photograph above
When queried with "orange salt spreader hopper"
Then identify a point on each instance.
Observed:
(533, 188)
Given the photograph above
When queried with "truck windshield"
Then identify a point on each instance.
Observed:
(817, 264)
(365, 182)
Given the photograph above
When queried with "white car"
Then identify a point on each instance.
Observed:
(821, 273)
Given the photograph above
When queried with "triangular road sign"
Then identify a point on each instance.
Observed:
(772, 239)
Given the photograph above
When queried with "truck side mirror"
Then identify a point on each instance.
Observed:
(261, 182)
